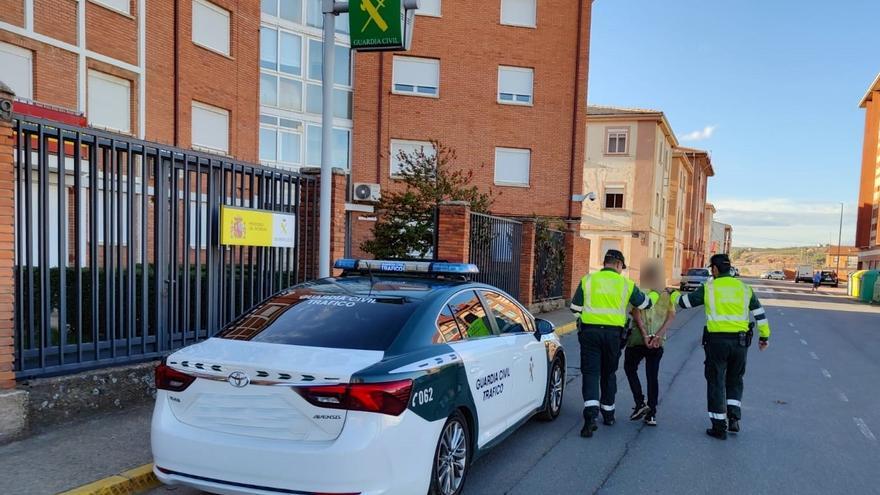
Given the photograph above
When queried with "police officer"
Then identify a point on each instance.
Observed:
(726, 338)
(601, 302)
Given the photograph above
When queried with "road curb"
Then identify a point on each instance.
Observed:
(566, 329)
(137, 480)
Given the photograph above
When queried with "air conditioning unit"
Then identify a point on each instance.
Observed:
(367, 192)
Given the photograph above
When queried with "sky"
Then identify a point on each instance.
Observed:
(770, 87)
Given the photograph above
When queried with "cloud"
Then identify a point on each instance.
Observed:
(779, 222)
(700, 135)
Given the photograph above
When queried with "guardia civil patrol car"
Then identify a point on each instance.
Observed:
(389, 379)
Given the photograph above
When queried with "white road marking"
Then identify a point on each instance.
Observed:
(826, 373)
(842, 396)
(791, 324)
(797, 332)
(803, 342)
(860, 423)
(814, 356)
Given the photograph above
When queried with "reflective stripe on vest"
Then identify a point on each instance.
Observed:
(597, 313)
(733, 312)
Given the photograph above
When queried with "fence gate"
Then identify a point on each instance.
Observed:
(495, 247)
(117, 246)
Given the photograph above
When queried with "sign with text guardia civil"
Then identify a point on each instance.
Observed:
(377, 25)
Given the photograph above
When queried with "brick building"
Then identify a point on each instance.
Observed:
(867, 232)
(696, 235)
(503, 83)
(179, 73)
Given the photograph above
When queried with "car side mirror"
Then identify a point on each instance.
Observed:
(544, 327)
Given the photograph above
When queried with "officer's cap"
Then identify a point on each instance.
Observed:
(720, 261)
(613, 254)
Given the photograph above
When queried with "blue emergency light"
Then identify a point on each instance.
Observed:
(391, 266)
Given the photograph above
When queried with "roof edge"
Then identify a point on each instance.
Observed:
(875, 86)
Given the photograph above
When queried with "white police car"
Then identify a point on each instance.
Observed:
(390, 379)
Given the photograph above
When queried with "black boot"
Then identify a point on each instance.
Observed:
(589, 424)
(718, 429)
(733, 426)
(607, 417)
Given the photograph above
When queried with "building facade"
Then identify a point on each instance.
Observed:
(628, 164)
(721, 238)
(676, 216)
(846, 263)
(695, 237)
(513, 115)
(867, 233)
(177, 73)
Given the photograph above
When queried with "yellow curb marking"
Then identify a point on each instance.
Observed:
(128, 482)
(566, 329)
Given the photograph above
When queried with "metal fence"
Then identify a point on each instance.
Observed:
(495, 247)
(117, 246)
(549, 264)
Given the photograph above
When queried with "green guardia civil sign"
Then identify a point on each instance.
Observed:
(377, 24)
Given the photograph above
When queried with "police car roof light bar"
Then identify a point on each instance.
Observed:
(391, 266)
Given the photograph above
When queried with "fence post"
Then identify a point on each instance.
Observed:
(527, 262)
(13, 403)
(454, 228)
(577, 258)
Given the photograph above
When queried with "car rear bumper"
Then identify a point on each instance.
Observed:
(375, 454)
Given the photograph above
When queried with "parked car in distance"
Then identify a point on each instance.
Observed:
(694, 278)
(773, 275)
(829, 277)
(804, 273)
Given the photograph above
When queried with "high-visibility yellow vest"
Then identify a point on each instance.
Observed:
(727, 305)
(606, 295)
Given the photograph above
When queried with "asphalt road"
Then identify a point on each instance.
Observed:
(811, 416)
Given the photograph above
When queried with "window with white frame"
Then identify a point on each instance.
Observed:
(512, 166)
(617, 141)
(341, 146)
(210, 127)
(519, 12)
(416, 76)
(123, 6)
(288, 10)
(429, 8)
(614, 196)
(210, 26)
(109, 101)
(18, 71)
(410, 148)
(281, 140)
(515, 85)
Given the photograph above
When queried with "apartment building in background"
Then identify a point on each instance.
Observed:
(628, 164)
(695, 236)
(179, 73)
(680, 185)
(708, 220)
(720, 239)
(503, 83)
(847, 263)
(867, 232)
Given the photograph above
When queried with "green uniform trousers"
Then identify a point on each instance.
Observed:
(725, 366)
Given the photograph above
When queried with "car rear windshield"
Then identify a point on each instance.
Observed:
(325, 318)
(698, 272)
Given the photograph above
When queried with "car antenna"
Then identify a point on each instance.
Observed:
(372, 280)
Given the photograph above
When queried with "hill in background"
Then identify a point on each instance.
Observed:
(754, 261)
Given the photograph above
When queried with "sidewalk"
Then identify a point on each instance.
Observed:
(75, 454)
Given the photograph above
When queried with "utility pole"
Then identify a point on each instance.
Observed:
(839, 240)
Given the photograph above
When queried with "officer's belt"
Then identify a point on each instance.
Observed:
(724, 335)
(591, 326)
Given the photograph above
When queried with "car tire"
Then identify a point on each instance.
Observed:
(555, 392)
(452, 455)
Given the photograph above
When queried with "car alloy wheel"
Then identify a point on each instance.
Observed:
(555, 391)
(451, 457)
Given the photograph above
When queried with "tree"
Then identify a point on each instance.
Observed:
(405, 223)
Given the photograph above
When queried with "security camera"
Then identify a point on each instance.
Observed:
(581, 197)
(591, 196)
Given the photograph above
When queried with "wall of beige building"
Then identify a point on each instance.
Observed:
(676, 216)
(638, 229)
